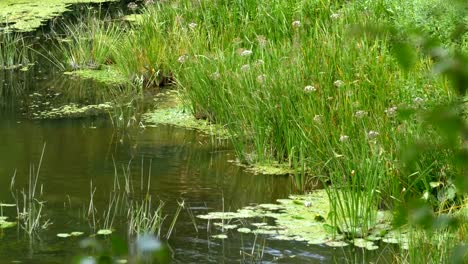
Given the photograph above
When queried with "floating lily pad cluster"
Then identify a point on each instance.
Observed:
(72, 234)
(102, 232)
(28, 15)
(303, 218)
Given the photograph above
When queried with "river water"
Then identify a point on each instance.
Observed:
(183, 165)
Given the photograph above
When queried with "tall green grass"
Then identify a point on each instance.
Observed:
(88, 43)
(14, 51)
(295, 83)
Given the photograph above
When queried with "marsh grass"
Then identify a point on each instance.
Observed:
(30, 206)
(297, 83)
(446, 245)
(88, 43)
(15, 51)
(130, 199)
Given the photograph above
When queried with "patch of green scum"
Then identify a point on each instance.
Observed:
(271, 168)
(107, 75)
(304, 218)
(28, 15)
(174, 113)
(73, 111)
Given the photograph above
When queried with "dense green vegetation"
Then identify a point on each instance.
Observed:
(317, 87)
(314, 86)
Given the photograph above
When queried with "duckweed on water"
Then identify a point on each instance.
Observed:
(107, 75)
(304, 218)
(74, 111)
(174, 113)
(104, 232)
(28, 15)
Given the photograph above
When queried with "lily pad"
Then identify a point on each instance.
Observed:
(28, 15)
(244, 230)
(63, 235)
(336, 244)
(104, 232)
(220, 236)
(225, 226)
(363, 243)
(76, 233)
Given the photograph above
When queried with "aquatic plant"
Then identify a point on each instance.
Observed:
(88, 43)
(27, 15)
(29, 204)
(144, 218)
(14, 51)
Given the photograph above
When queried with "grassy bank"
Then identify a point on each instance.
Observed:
(298, 83)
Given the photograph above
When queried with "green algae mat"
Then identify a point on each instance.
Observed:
(28, 15)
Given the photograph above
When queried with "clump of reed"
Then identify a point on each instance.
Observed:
(15, 52)
(142, 215)
(29, 205)
(88, 43)
(295, 83)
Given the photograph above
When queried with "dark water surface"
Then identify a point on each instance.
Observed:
(184, 165)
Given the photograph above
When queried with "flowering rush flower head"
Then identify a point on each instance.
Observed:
(215, 75)
(391, 111)
(338, 83)
(344, 138)
(360, 114)
(318, 118)
(372, 134)
(296, 24)
(309, 89)
(246, 53)
(182, 58)
(418, 101)
(245, 67)
(261, 78)
(192, 25)
(335, 16)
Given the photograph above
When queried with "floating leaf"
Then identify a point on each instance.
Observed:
(220, 236)
(76, 233)
(336, 244)
(104, 232)
(244, 230)
(225, 226)
(63, 235)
